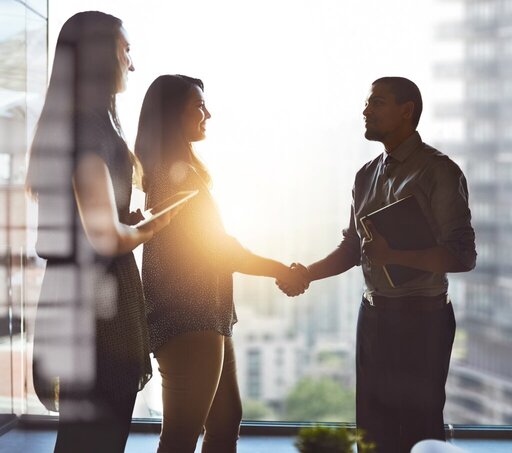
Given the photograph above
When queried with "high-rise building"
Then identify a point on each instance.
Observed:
(480, 384)
(270, 358)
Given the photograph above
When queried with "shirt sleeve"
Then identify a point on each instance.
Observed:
(349, 249)
(450, 208)
(348, 252)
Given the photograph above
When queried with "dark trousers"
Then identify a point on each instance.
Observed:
(402, 361)
(94, 424)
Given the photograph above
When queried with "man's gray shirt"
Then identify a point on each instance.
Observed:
(413, 168)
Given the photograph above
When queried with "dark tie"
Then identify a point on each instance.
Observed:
(388, 164)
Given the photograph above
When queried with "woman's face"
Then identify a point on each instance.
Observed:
(194, 116)
(124, 59)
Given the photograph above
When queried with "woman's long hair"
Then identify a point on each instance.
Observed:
(159, 143)
(84, 78)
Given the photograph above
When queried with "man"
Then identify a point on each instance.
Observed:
(405, 333)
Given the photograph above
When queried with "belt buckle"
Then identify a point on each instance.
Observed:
(368, 296)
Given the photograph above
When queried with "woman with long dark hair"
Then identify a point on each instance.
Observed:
(187, 276)
(91, 351)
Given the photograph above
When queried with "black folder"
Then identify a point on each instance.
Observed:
(404, 227)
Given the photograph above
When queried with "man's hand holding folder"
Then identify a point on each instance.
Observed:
(375, 247)
(394, 232)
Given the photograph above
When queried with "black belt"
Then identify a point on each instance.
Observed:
(408, 303)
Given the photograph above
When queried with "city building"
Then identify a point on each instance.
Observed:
(478, 109)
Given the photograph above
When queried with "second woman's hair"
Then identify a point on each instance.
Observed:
(160, 143)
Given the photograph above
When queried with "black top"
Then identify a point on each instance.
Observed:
(439, 186)
(90, 328)
(187, 268)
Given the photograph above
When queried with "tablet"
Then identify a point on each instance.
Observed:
(165, 206)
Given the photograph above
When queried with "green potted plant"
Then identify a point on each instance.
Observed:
(324, 439)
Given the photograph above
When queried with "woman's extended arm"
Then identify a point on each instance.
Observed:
(94, 193)
(253, 264)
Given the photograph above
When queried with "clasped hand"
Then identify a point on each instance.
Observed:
(376, 248)
(295, 281)
(158, 224)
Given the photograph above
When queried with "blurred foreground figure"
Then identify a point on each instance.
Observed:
(90, 350)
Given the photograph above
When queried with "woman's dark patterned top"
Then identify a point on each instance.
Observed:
(187, 268)
(90, 328)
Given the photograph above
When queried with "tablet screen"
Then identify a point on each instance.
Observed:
(165, 206)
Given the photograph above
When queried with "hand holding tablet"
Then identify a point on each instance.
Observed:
(168, 205)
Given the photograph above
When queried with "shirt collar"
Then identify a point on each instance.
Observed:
(404, 150)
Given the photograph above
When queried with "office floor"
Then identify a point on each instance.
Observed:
(41, 441)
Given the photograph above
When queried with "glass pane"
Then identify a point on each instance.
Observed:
(12, 23)
(23, 44)
(38, 7)
(286, 83)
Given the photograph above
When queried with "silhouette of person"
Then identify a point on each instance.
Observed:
(187, 276)
(91, 352)
(404, 333)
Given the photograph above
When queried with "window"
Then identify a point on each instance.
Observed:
(470, 404)
(485, 91)
(482, 11)
(470, 383)
(23, 34)
(483, 131)
(484, 172)
(5, 168)
(508, 396)
(254, 369)
(286, 85)
(482, 51)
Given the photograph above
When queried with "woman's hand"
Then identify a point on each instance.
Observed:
(295, 280)
(98, 212)
(161, 222)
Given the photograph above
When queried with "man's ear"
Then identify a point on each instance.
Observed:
(408, 109)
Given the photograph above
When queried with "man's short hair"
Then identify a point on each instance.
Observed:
(405, 90)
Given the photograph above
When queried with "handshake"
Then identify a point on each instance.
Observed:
(295, 280)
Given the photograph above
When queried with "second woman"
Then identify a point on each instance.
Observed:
(187, 276)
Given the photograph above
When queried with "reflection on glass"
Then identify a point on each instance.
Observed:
(289, 115)
(23, 34)
(292, 108)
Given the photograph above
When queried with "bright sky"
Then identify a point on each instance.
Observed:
(285, 81)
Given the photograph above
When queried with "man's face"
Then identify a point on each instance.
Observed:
(383, 117)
